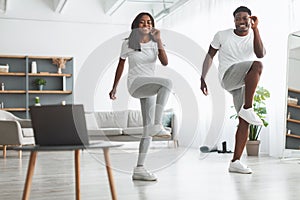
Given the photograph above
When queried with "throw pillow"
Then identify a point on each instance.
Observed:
(112, 119)
(135, 118)
(167, 119)
(91, 123)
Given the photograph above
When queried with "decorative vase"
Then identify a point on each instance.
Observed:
(59, 70)
(33, 67)
(252, 147)
(41, 87)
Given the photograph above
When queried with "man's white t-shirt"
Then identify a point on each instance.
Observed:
(141, 63)
(232, 49)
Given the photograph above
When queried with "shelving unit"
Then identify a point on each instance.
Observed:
(293, 122)
(19, 92)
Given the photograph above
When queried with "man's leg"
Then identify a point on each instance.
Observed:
(240, 139)
(241, 135)
(251, 81)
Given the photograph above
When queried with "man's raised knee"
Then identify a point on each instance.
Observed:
(257, 66)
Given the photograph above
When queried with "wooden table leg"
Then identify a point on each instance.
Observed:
(109, 173)
(4, 151)
(30, 171)
(20, 152)
(77, 173)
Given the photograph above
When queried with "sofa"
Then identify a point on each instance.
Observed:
(126, 125)
(14, 131)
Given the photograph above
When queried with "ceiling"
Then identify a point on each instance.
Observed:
(158, 8)
(109, 8)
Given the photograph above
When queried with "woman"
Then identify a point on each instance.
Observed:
(142, 48)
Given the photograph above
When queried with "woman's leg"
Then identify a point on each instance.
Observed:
(161, 101)
(150, 86)
(147, 108)
(139, 172)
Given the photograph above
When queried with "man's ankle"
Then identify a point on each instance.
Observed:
(247, 106)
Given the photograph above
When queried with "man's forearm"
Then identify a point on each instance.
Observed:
(258, 44)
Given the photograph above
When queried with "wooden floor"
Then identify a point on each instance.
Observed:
(183, 174)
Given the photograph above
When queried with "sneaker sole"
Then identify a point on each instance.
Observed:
(161, 136)
(238, 171)
(251, 122)
(140, 178)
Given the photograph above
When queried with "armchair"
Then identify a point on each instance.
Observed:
(14, 131)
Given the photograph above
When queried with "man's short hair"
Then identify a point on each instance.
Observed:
(242, 9)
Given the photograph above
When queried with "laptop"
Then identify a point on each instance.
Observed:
(57, 125)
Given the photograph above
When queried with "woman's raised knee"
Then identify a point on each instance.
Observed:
(169, 84)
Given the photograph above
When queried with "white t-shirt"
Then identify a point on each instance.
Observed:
(141, 63)
(232, 49)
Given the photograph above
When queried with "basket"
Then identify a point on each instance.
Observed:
(4, 68)
(292, 100)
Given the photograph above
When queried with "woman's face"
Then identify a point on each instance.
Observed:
(145, 24)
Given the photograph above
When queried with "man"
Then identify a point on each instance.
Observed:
(238, 74)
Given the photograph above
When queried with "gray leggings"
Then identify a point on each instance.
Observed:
(153, 93)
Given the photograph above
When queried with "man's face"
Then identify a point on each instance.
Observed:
(242, 22)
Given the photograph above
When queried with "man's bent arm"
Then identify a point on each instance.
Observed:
(259, 49)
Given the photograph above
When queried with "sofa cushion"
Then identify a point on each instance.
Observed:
(27, 132)
(25, 123)
(138, 130)
(91, 123)
(169, 129)
(105, 132)
(135, 118)
(113, 119)
(133, 130)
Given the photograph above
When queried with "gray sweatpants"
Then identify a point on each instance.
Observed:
(153, 93)
(234, 82)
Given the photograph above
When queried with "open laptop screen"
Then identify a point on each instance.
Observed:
(59, 125)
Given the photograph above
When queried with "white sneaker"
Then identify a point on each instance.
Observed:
(238, 167)
(250, 116)
(140, 173)
(158, 131)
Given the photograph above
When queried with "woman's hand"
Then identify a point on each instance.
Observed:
(112, 94)
(203, 86)
(155, 34)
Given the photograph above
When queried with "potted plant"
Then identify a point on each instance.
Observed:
(259, 106)
(40, 83)
(60, 63)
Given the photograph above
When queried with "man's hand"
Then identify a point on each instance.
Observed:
(254, 22)
(204, 86)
